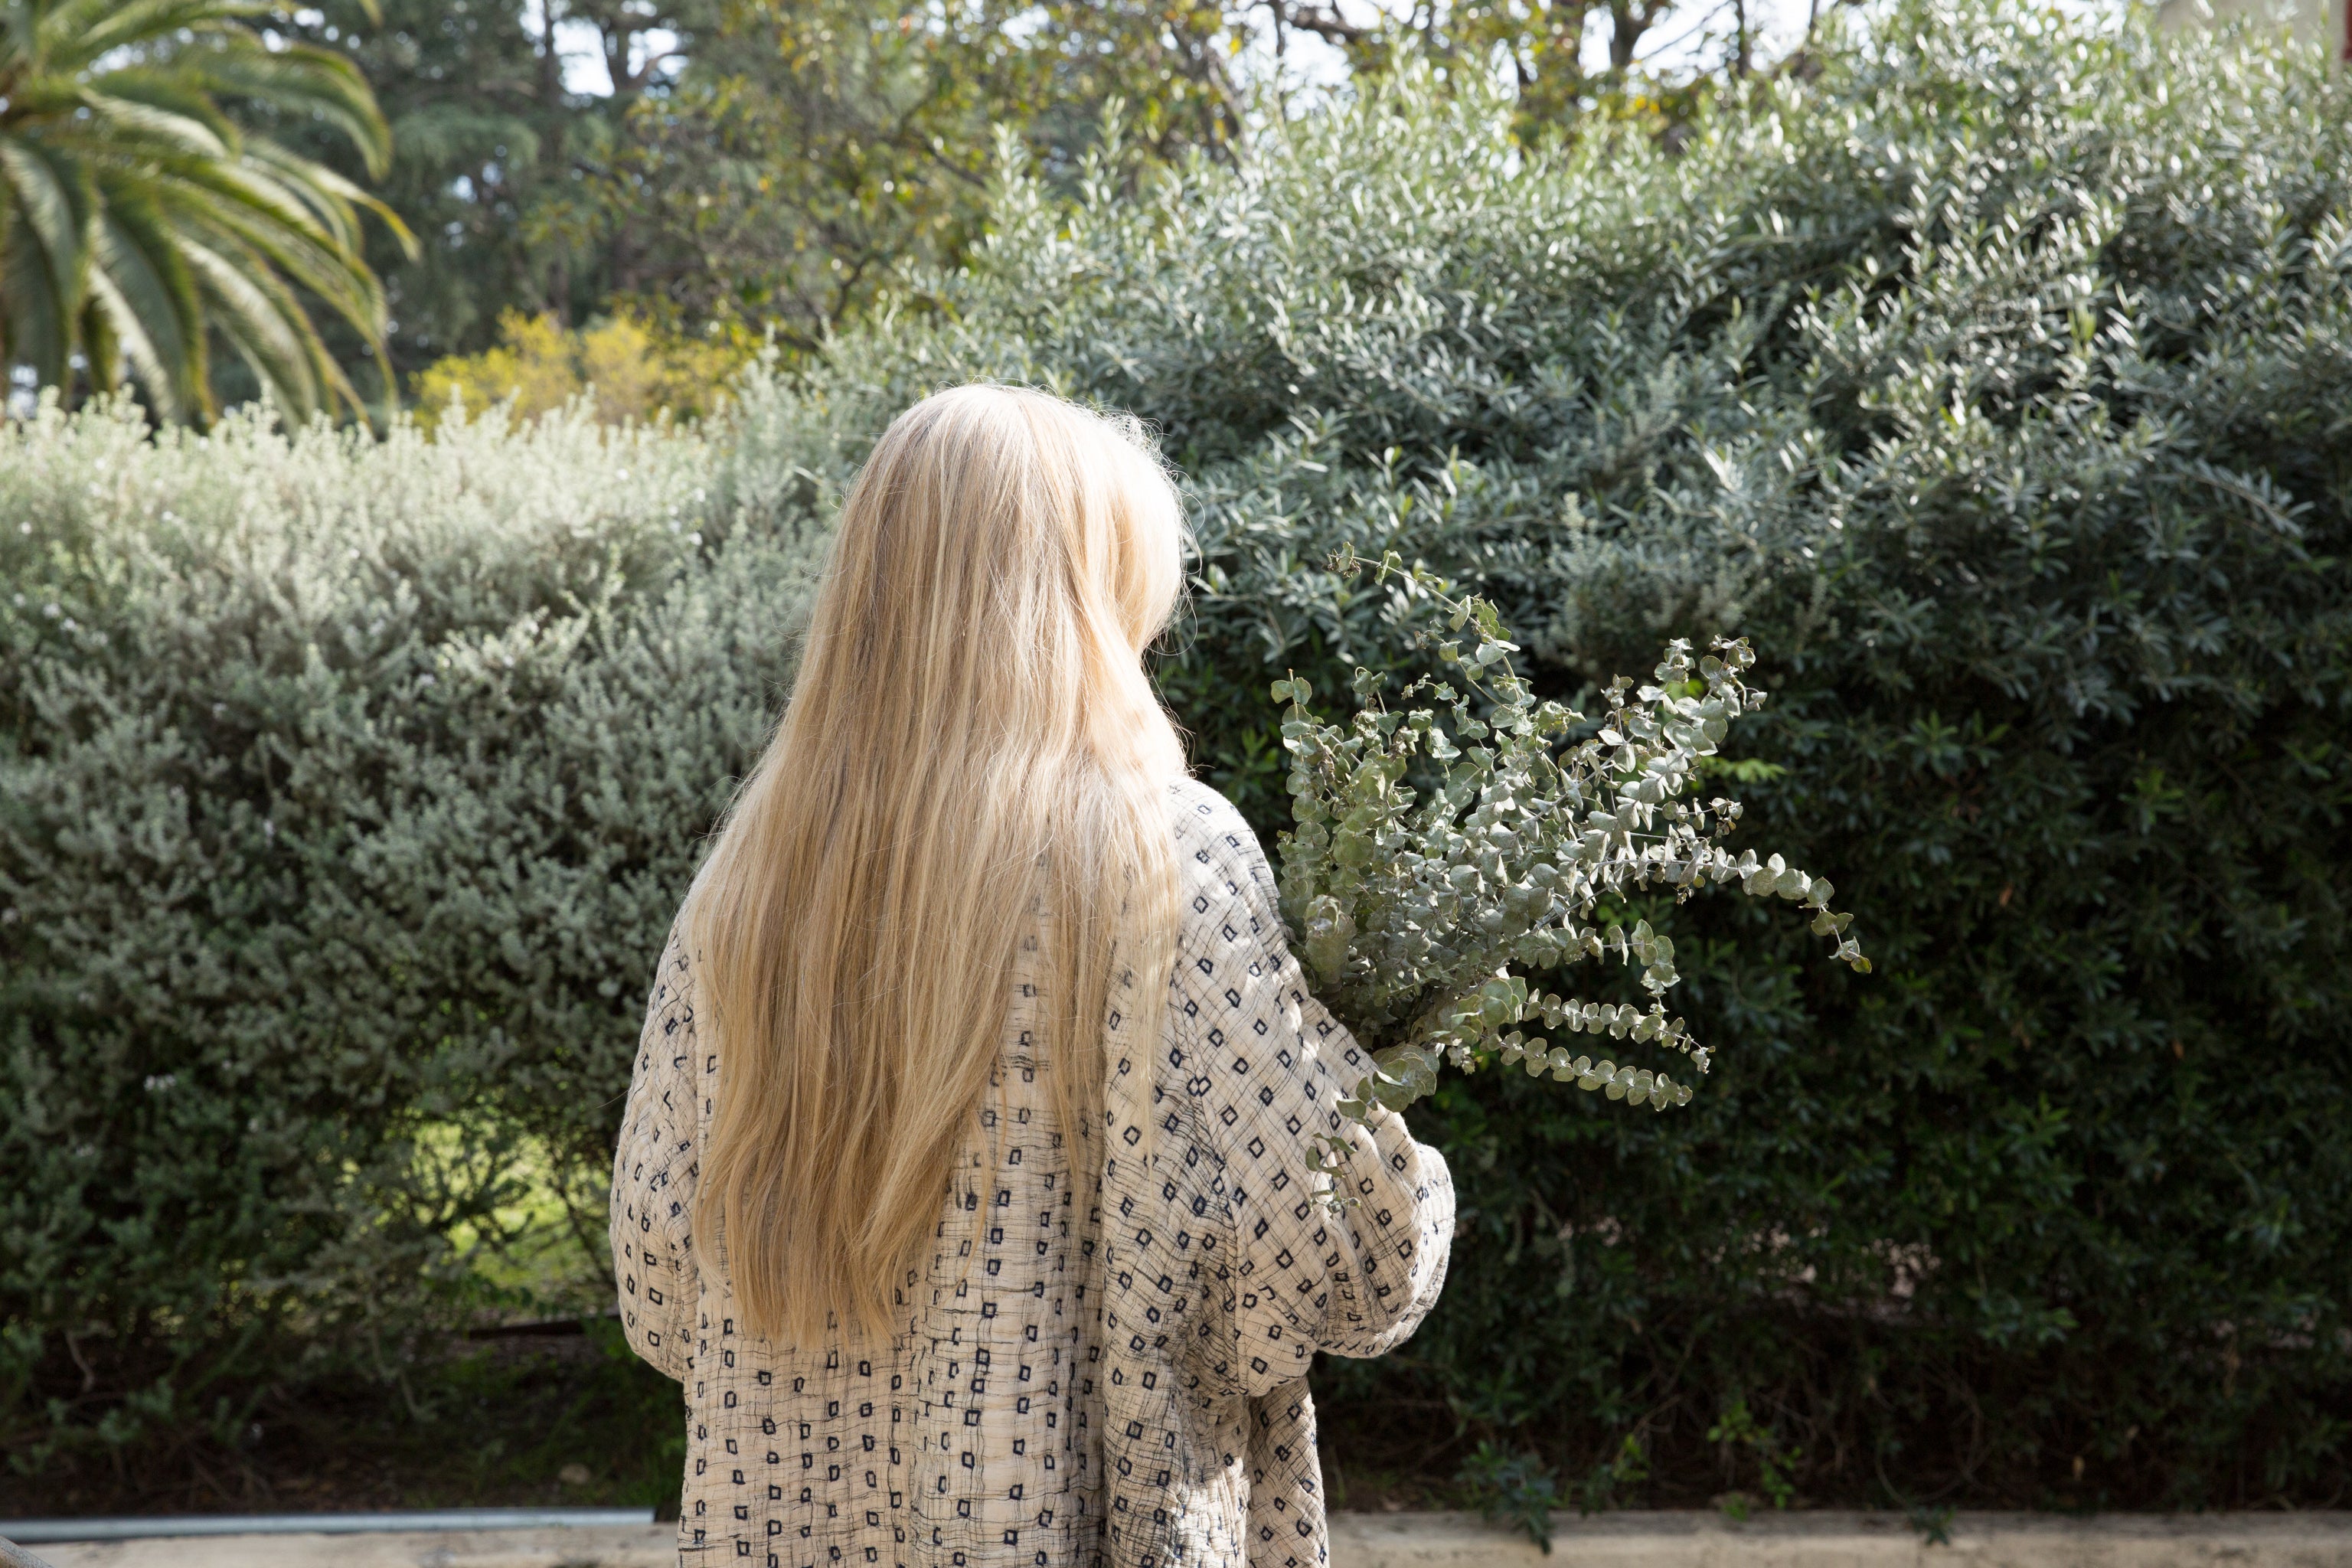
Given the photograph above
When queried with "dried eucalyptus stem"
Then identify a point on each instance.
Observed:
(1420, 914)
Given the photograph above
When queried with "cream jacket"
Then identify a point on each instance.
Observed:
(1120, 1376)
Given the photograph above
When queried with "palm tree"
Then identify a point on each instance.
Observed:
(137, 220)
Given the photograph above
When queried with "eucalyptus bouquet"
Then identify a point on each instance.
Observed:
(1420, 908)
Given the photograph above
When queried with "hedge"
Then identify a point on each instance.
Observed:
(1997, 380)
(342, 782)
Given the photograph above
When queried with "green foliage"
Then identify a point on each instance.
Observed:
(1513, 1487)
(1933, 1524)
(755, 165)
(632, 370)
(765, 166)
(1737, 1430)
(1611, 1480)
(815, 160)
(1410, 907)
(493, 152)
(137, 219)
(1992, 382)
(345, 789)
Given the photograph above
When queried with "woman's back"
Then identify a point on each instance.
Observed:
(1104, 1358)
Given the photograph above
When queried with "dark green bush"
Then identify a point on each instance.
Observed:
(1997, 382)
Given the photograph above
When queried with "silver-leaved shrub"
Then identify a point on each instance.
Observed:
(346, 785)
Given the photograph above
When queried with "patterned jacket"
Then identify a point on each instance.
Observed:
(1119, 1377)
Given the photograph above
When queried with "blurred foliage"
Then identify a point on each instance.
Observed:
(563, 1415)
(1993, 380)
(813, 158)
(795, 166)
(775, 165)
(1513, 1487)
(637, 371)
(1546, 49)
(491, 149)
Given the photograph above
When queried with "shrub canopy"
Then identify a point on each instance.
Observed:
(1997, 383)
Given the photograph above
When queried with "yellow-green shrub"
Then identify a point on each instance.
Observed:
(627, 367)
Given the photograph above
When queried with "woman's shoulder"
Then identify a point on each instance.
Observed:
(1219, 859)
(1206, 821)
(670, 1008)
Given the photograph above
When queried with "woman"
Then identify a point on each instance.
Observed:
(965, 1179)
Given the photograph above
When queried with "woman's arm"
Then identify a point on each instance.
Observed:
(1267, 1068)
(653, 1173)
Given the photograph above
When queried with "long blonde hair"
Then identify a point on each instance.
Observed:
(971, 736)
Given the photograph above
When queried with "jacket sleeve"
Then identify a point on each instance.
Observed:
(1267, 1067)
(654, 1173)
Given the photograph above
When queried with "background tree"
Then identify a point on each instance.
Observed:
(492, 145)
(1561, 58)
(751, 163)
(806, 154)
(809, 153)
(138, 219)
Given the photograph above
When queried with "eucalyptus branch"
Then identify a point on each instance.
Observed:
(1420, 913)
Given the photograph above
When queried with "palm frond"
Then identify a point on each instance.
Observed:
(34, 318)
(75, 34)
(144, 283)
(164, 126)
(112, 316)
(102, 352)
(321, 188)
(264, 322)
(324, 270)
(241, 311)
(304, 78)
(169, 91)
(46, 265)
(253, 184)
(136, 216)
